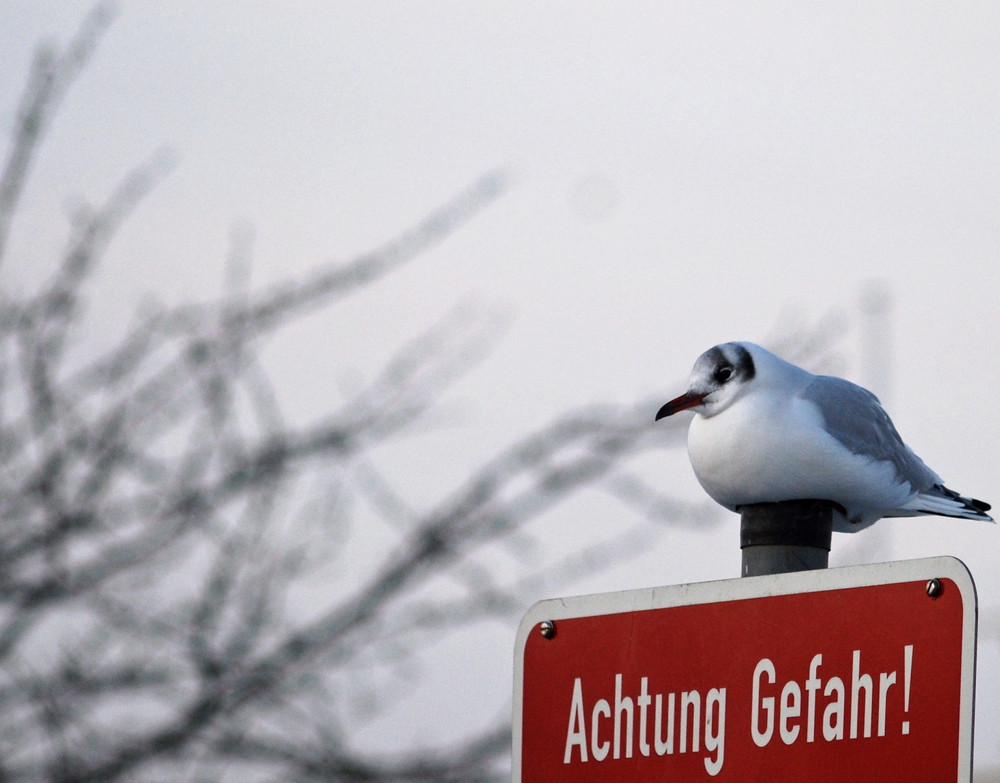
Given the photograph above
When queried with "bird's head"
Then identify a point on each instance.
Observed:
(720, 375)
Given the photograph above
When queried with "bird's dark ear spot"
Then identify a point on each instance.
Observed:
(744, 363)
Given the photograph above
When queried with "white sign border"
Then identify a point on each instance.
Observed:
(598, 604)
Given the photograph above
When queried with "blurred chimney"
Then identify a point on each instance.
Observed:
(876, 354)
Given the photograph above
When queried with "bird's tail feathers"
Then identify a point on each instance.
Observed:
(941, 501)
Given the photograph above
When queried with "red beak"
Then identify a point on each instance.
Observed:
(682, 403)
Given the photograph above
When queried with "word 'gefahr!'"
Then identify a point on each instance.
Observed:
(653, 725)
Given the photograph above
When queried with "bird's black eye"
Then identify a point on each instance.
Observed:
(724, 373)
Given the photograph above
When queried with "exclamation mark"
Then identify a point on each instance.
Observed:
(907, 667)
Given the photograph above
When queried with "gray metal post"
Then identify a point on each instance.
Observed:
(791, 536)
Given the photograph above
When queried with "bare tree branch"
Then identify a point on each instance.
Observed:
(51, 76)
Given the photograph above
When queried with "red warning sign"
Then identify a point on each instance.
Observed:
(861, 674)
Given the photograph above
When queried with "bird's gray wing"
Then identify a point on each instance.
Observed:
(855, 417)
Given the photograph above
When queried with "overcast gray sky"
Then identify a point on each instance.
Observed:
(682, 174)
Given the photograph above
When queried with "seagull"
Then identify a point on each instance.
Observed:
(767, 431)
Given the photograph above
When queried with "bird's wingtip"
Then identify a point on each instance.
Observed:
(946, 502)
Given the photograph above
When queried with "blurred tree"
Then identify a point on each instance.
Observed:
(152, 619)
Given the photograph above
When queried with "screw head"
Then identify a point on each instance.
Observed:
(547, 628)
(935, 588)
